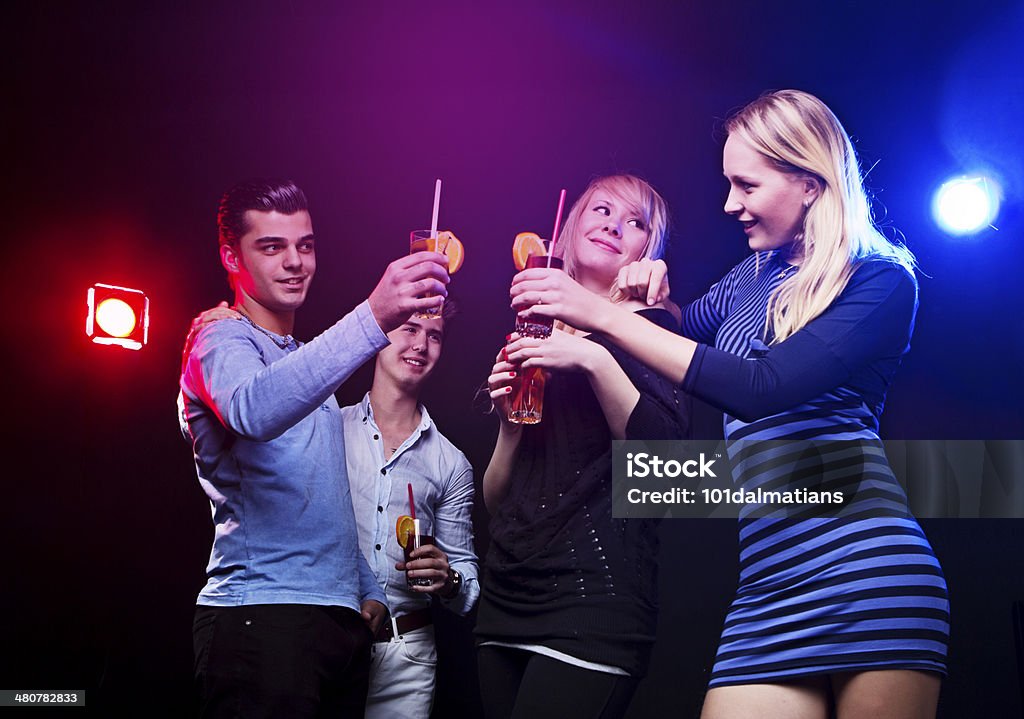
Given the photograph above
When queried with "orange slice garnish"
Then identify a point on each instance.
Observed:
(403, 527)
(454, 249)
(527, 244)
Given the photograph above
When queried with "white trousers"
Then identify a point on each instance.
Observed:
(402, 675)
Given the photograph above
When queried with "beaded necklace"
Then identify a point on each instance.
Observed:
(283, 342)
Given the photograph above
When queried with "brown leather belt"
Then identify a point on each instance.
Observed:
(406, 623)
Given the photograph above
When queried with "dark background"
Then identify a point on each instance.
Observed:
(125, 123)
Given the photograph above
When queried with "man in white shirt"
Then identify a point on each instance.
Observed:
(391, 442)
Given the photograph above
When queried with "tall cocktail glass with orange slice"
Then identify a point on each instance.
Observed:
(413, 534)
(527, 396)
(530, 251)
(444, 242)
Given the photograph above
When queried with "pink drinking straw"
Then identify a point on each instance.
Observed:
(558, 221)
(412, 504)
(437, 205)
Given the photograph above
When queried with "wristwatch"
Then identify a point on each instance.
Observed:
(455, 580)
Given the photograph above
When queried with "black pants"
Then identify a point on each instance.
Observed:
(281, 660)
(517, 684)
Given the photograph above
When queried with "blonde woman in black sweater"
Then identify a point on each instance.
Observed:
(568, 610)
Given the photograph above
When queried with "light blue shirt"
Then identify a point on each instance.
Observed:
(442, 483)
(267, 437)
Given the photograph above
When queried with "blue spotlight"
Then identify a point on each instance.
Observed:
(966, 205)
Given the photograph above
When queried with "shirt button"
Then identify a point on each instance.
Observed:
(378, 546)
(380, 509)
(383, 471)
(376, 436)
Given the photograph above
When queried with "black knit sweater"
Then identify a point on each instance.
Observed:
(561, 572)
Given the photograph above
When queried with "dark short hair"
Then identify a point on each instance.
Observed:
(449, 309)
(264, 195)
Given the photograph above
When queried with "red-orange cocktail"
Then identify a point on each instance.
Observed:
(539, 327)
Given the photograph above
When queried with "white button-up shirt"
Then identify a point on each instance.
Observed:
(442, 484)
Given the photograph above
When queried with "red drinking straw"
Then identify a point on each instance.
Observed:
(558, 221)
(412, 504)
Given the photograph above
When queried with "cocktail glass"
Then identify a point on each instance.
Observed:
(414, 539)
(527, 405)
(427, 241)
(538, 327)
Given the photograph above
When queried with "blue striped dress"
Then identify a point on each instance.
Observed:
(819, 592)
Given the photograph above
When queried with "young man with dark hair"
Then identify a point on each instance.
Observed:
(284, 623)
(391, 442)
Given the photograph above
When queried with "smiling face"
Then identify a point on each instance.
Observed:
(412, 355)
(272, 266)
(769, 203)
(610, 233)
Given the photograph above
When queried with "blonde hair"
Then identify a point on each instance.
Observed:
(634, 193)
(800, 135)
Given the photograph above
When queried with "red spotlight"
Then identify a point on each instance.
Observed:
(117, 316)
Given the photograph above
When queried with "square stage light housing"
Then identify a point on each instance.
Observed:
(117, 316)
